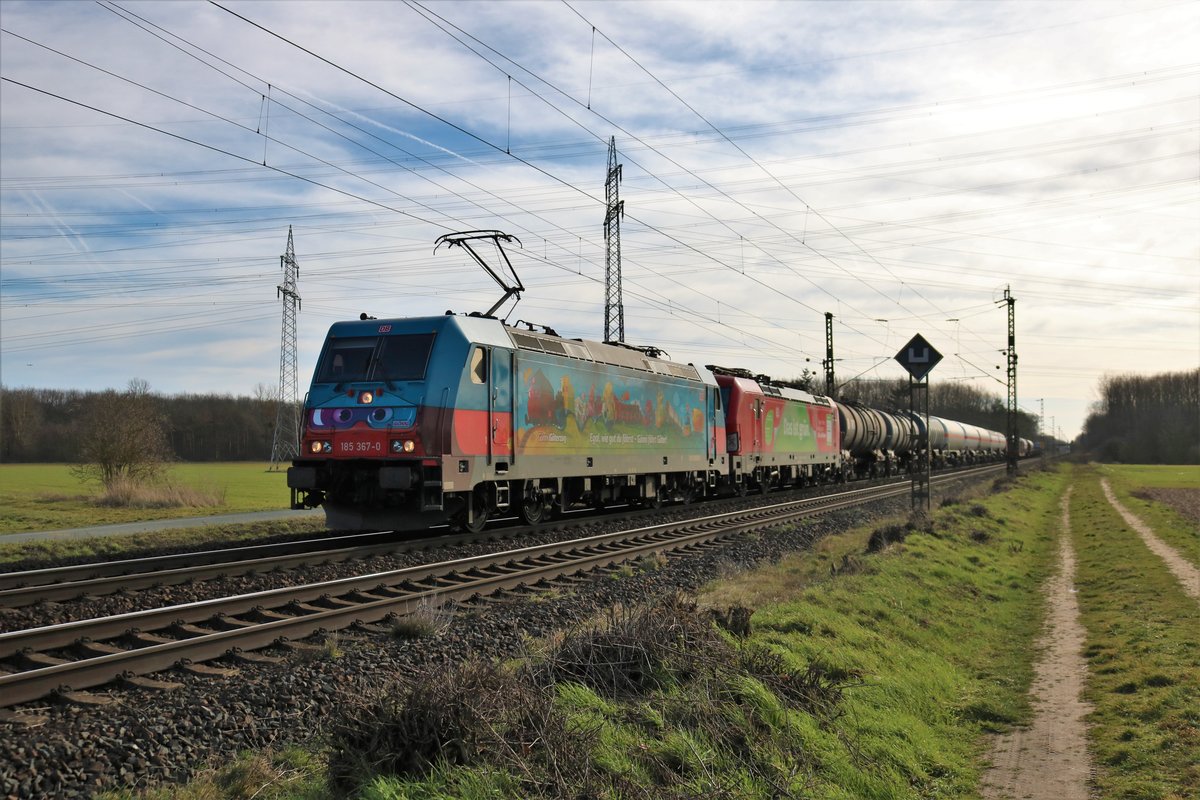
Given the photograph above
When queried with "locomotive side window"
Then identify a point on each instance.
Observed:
(346, 360)
(479, 367)
(403, 357)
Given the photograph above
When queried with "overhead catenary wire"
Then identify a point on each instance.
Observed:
(894, 263)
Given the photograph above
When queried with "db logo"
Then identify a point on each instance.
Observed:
(385, 328)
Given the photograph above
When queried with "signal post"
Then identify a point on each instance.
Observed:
(918, 358)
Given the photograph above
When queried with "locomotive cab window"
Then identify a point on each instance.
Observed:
(403, 357)
(479, 366)
(346, 359)
(376, 358)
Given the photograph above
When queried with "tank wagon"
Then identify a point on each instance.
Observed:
(876, 443)
(410, 422)
(417, 421)
(953, 443)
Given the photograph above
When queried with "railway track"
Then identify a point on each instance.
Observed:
(56, 584)
(62, 659)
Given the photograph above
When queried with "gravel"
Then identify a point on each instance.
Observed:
(145, 737)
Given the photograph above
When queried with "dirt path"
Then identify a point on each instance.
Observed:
(1049, 760)
(1185, 571)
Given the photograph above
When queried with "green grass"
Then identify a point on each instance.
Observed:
(290, 774)
(31, 555)
(1169, 525)
(941, 629)
(1143, 651)
(920, 651)
(929, 646)
(1177, 476)
(47, 497)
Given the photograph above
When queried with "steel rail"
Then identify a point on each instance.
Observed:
(102, 569)
(18, 589)
(155, 574)
(66, 633)
(378, 596)
(297, 612)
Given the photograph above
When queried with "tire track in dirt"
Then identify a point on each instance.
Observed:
(1049, 760)
(1186, 572)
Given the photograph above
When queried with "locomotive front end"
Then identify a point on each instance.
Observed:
(368, 446)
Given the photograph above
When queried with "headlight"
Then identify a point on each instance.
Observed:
(366, 398)
(315, 447)
(403, 446)
(409, 445)
(321, 447)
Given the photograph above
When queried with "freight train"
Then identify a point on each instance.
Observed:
(457, 418)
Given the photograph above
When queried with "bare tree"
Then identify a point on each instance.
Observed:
(1146, 419)
(20, 418)
(123, 436)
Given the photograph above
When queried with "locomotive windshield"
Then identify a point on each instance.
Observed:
(376, 358)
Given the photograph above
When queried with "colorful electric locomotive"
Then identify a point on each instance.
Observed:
(414, 421)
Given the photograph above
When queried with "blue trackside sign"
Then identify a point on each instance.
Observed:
(918, 357)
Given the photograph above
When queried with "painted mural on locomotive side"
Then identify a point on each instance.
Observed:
(567, 407)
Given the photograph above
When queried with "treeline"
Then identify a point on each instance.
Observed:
(957, 401)
(48, 425)
(1146, 419)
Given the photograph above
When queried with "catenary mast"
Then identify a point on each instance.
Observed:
(287, 414)
(614, 311)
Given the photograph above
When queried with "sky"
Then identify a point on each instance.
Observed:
(897, 164)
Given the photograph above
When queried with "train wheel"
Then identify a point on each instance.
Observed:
(533, 504)
(472, 517)
(742, 488)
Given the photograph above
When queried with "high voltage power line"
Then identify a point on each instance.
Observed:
(675, 307)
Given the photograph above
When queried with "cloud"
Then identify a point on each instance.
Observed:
(897, 164)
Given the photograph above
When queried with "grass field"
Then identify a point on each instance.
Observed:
(1143, 651)
(1129, 483)
(37, 497)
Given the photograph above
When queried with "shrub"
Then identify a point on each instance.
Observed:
(471, 714)
(888, 534)
(126, 492)
(634, 650)
(425, 620)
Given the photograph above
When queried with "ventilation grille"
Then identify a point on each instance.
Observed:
(601, 353)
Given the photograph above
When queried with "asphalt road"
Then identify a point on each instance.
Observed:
(156, 525)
